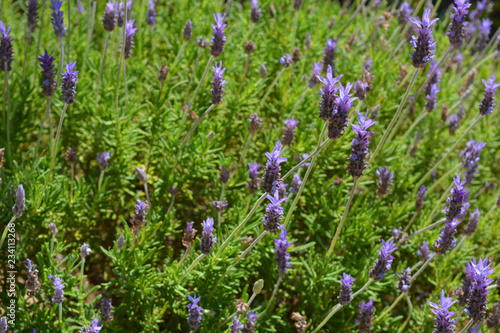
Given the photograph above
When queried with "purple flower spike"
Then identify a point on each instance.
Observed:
(253, 174)
(361, 89)
(106, 310)
(282, 257)
(130, 31)
(423, 43)
(453, 125)
(338, 121)
(286, 60)
(359, 147)
(446, 240)
(194, 313)
(290, 125)
(444, 323)
(329, 54)
(483, 34)
(365, 316)
(109, 17)
(404, 14)
(470, 159)
(58, 19)
(471, 227)
(431, 98)
(139, 217)
(434, 79)
(329, 100)
(250, 325)
(58, 289)
(218, 37)
(458, 202)
(254, 123)
(218, 83)
(464, 291)
(456, 33)
(313, 80)
(69, 81)
(271, 180)
(345, 296)
(424, 253)
(187, 33)
(255, 12)
(208, 240)
(488, 102)
(6, 49)
(478, 298)
(121, 12)
(419, 203)
(296, 182)
(32, 14)
(3, 325)
(20, 204)
(236, 327)
(103, 160)
(404, 279)
(94, 328)
(383, 262)
(189, 235)
(151, 13)
(274, 213)
(384, 181)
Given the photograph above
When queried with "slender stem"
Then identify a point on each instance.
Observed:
(61, 317)
(420, 117)
(239, 227)
(276, 287)
(103, 59)
(72, 181)
(81, 274)
(147, 192)
(245, 71)
(184, 256)
(426, 263)
(301, 99)
(179, 54)
(6, 82)
(244, 150)
(125, 84)
(432, 226)
(99, 184)
(411, 222)
(301, 188)
(466, 328)
(171, 205)
(294, 29)
(248, 203)
(339, 227)
(292, 170)
(52, 239)
(268, 92)
(188, 136)
(396, 115)
(390, 308)
(190, 268)
(429, 76)
(401, 329)
(90, 29)
(367, 284)
(219, 217)
(61, 62)
(26, 54)
(438, 206)
(40, 29)
(428, 174)
(4, 234)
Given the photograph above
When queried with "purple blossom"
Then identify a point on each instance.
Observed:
(139, 217)
(431, 98)
(478, 298)
(58, 19)
(470, 159)
(345, 296)
(361, 89)
(121, 12)
(446, 240)
(6, 49)
(218, 83)
(493, 321)
(274, 213)
(254, 123)
(32, 15)
(224, 174)
(187, 33)
(20, 204)
(189, 235)
(471, 227)
(3, 325)
(329, 54)
(85, 250)
(313, 80)
(338, 121)
(109, 16)
(219, 206)
(250, 324)
(329, 100)
(457, 25)
(286, 60)
(488, 102)
(290, 125)
(359, 147)
(208, 240)
(297, 4)
(384, 181)
(194, 313)
(282, 257)
(218, 37)
(94, 328)
(130, 31)
(458, 202)
(69, 82)
(423, 43)
(58, 289)
(483, 34)
(271, 180)
(307, 164)
(404, 14)
(255, 12)
(103, 160)
(141, 174)
(48, 73)
(404, 279)
(282, 191)
(365, 316)
(253, 174)
(383, 262)
(435, 78)
(444, 323)
(151, 13)
(236, 326)
(32, 282)
(419, 203)
(106, 310)
(464, 290)
(296, 182)
(424, 253)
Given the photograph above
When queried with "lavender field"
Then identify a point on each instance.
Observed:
(249, 166)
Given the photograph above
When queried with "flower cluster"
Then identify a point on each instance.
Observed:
(218, 37)
(282, 257)
(296, 182)
(93, 328)
(423, 43)
(255, 12)
(218, 83)
(187, 32)
(130, 31)
(250, 324)
(151, 13)
(424, 253)
(478, 297)
(359, 147)
(224, 174)
(458, 202)
(286, 60)
(329, 54)
(58, 19)
(271, 180)
(69, 82)
(20, 204)
(345, 296)
(189, 235)
(365, 316)
(457, 25)
(384, 181)
(207, 238)
(103, 159)
(419, 203)
(404, 279)
(404, 13)
(32, 15)
(384, 261)
(290, 125)
(109, 17)
(32, 283)
(195, 313)
(488, 101)
(253, 174)
(139, 218)
(274, 213)
(444, 323)
(446, 240)
(58, 289)
(6, 49)
(106, 310)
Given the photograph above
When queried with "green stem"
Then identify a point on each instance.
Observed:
(432, 226)
(81, 274)
(40, 29)
(61, 61)
(179, 54)
(417, 121)
(4, 234)
(292, 170)
(6, 82)
(466, 328)
(61, 317)
(99, 184)
(103, 59)
(275, 291)
(244, 150)
(268, 92)
(301, 99)
(188, 136)
(401, 329)
(294, 29)
(26, 54)
(171, 205)
(429, 76)
(72, 181)
(426, 263)
(411, 222)
(52, 239)
(390, 308)
(184, 256)
(68, 39)
(147, 193)
(354, 14)
(190, 268)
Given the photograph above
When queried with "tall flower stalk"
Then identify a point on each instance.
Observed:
(6, 55)
(109, 23)
(32, 18)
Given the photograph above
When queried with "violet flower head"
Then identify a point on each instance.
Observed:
(453, 124)
(470, 159)
(483, 34)
(151, 13)
(282, 257)
(444, 323)
(255, 12)
(121, 12)
(208, 240)
(274, 213)
(69, 82)
(456, 33)
(85, 250)
(3, 325)
(282, 191)
(435, 78)
(103, 159)
(262, 71)
(419, 203)
(93, 328)
(236, 326)
(313, 80)
(493, 321)
(141, 174)
(463, 292)
(109, 16)
(359, 147)
(424, 253)
(307, 164)
(218, 37)
(423, 43)
(20, 204)
(345, 296)
(48, 73)
(53, 228)
(338, 121)
(399, 235)
(189, 235)
(58, 289)
(361, 90)
(488, 101)
(195, 313)
(404, 14)
(329, 100)
(404, 279)
(6, 49)
(218, 83)
(272, 174)
(224, 174)
(106, 310)
(290, 125)
(329, 54)
(139, 217)
(431, 98)
(202, 43)
(296, 182)
(478, 299)
(219, 206)
(286, 60)
(365, 316)
(250, 324)
(446, 240)
(58, 19)
(383, 262)
(458, 202)
(130, 31)
(384, 181)
(297, 4)
(187, 33)
(471, 227)
(32, 15)
(253, 174)
(32, 282)
(254, 123)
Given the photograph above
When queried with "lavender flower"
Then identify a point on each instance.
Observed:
(71, 155)
(250, 325)
(383, 262)
(139, 217)
(329, 100)
(219, 205)
(404, 279)
(236, 326)
(32, 15)
(456, 33)
(272, 175)
(493, 321)
(488, 102)
(365, 316)
(329, 54)
(249, 47)
(431, 98)
(106, 310)
(483, 34)
(85, 250)
(130, 31)
(20, 204)
(478, 299)
(262, 71)
(282, 257)
(109, 17)
(274, 213)
(470, 159)
(359, 147)
(361, 89)
(453, 124)
(52, 226)
(424, 253)
(255, 12)
(286, 60)
(3, 325)
(218, 37)
(464, 290)
(189, 235)
(300, 322)
(202, 43)
(338, 121)
(208, 240)
(404, 14)
(141, 174)
(435, 78)
(398, 234)
(94, 328)
(458, 202)
(120, 242)
(194, 313)
(345, 296)
(446, 240)
(58, 19)
(313, 80)
(224, 174)
(6, 49)
(32, 282)
(384, 181)
(163, 73)
(423, 44)
(58, 289)
(290, 125)
(444, 323)
(254, 123)
(297, 4)
(296, 182)
(103, 160)
(253, 174)
(69, 82)
(151, 13)
(419, 203)
(187, 33)
(218, 83)
(121, 12)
